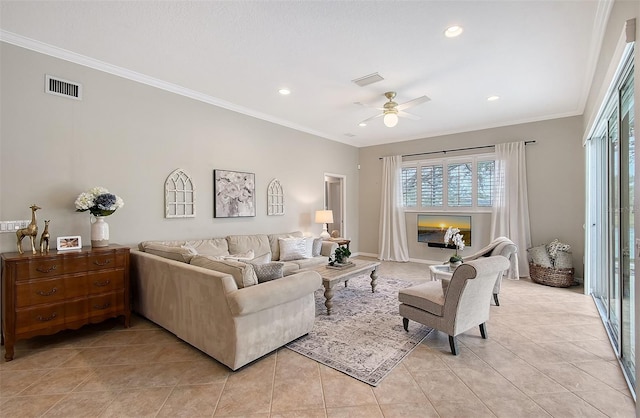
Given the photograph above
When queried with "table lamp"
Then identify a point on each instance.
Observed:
(324, 217)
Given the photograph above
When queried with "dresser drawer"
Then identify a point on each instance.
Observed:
(106, 304)
(50, 267)
(36, 292)
(105, 281)
(40, 317)
(105, 261)
(45, 267)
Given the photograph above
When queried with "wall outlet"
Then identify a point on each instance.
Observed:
(13, 226)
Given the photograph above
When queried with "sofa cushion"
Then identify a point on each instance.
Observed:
(275, 244)
(242, 243)
(245, 256)
(261, 259)
(292, 248)
(242, 273)
(215, 246)
(177, 253)
(290, 267)
(427, 296)
(309, 263)
(269, 271)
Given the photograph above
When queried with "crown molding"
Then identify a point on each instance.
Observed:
(63, 54)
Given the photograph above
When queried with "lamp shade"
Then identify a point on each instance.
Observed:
(324, 216)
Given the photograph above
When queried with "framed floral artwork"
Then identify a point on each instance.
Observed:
(234, 194)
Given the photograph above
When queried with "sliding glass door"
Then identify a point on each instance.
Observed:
(610, 265)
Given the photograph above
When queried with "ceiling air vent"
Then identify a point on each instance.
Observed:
(60, 87)
(368, 79)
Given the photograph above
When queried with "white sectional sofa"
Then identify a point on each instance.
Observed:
(220, 308)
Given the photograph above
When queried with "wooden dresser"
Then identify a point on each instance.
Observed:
(44, 294)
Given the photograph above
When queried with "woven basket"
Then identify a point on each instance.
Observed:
(550, 276)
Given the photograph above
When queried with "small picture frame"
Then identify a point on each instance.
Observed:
(69, 243)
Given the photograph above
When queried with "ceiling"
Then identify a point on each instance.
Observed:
(537, 56)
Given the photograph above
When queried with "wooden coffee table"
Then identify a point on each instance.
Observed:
(331, 277)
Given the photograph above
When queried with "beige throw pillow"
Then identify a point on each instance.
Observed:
(242, 273)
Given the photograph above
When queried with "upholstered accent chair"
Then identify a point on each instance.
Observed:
(500, 246)
(464, 303)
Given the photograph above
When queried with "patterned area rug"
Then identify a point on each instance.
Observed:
(363, 337)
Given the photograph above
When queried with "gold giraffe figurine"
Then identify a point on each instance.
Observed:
(44, 239)
(30, 231)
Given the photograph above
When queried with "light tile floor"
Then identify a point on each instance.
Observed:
(547, 355)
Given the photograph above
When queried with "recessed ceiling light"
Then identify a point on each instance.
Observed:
(453, 31)
(493, 98)
(362, 124)
(284, 91)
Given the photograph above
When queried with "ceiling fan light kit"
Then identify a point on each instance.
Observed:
(390, 120)
(392, 110)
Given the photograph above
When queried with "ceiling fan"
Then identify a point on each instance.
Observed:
(391, 110)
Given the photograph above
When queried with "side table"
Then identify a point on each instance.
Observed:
(341, 241)
(440, 272)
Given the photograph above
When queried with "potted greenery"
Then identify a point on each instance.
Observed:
(341, 255)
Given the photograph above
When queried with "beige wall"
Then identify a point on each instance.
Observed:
(129, 137)
(555, 179)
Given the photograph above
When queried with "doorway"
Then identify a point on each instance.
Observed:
(335, 200)
(610, 268)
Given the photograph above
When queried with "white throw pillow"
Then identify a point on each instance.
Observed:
(554, 246)
(540, 256)
(308, 252)
(292, 248)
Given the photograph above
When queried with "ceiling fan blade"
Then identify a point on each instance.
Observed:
(408, 116)
(368, 105)
(414, 102)
(371, 118)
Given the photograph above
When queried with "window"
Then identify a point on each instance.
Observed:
(459, 185)
(409, 186)
(486, 176)
(431, 184)
(465, 183)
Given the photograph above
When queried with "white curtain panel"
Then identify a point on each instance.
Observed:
(392, 235)
(510, 215)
